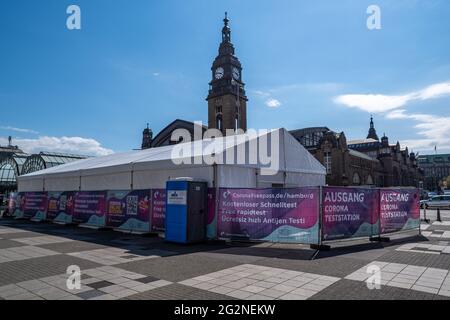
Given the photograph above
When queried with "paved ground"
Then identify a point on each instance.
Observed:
(34, 259)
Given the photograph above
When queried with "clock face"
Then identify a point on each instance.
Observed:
(219, 73)
(236, 73)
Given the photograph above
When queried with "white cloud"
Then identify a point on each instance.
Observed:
(273, 103)
(374, 103)
(76, 145)
(378, 103)
(268, 95)
(156, 74)
(21, 130)
(435, 130)
(434, 91)
(261, 93)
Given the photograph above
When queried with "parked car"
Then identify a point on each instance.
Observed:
(423, 194)
(441, 202)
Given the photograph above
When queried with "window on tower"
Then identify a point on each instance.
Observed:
(219, 122)
(236, 123)
(327, 162)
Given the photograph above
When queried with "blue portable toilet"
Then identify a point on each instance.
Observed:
(186, 204)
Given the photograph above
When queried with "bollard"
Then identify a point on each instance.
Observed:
(425, 215)
(439, 215)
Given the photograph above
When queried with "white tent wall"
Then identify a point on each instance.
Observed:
(268, 181)
(236, 177)
(58, 184)
(298, 159)
(294, 166)
(31, 185)
(296, 179)
(99, 182)
(156, 179)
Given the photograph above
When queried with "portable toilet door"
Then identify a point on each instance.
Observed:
(186, 207)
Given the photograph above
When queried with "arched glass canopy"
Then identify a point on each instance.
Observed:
(10, 168)
(44, 160)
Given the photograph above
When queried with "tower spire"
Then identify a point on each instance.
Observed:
(372, 132)
(147, 138)
(226, 31)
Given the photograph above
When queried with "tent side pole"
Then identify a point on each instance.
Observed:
(132, 178)
(217, 190)
(284, 158)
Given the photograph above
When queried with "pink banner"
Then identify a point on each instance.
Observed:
(350, 212)
(90, 208)
(277, 215)
(158, 209)
(399, 209)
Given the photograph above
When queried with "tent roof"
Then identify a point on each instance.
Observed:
(293, 157)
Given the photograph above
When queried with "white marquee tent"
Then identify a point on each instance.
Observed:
(151, 168)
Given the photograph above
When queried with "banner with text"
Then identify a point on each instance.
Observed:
(349, 212)
(129, 210)
(13, 203)
(20, 206)
(60, 207)
(158, 213)
(90, 208)
(211, 219)
(399, 209)
(32, 205)
(276, 215)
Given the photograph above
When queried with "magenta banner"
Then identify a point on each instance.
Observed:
(13, 203)
(33, 205)
(20, 206)
(90, 208)
(399, 209)
(277, 215)
(60, 207)
(129, 210)
(158, 209)
(349, 212)
(211, 219)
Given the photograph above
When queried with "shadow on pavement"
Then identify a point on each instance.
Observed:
(143, 245)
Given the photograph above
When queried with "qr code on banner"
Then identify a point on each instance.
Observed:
(132, 205)
(62, 203)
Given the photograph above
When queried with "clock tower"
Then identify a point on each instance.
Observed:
(227, 102)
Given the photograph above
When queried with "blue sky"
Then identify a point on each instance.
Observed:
(306, 63)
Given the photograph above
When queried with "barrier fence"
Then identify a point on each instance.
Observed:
(309, 215)
(137, 210)
(315, 215)
(276, 215)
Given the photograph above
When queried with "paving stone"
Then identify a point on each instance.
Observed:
(100, 284)
(425, 289)
(240, 294)
(253, 289)
(291, 296)
(124, 293)
(249, 267)
(147, 279)
(258, 297)
(272, 293)
(19, 271)
(90, 294)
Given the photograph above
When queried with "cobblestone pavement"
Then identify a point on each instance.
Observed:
(34, 259)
